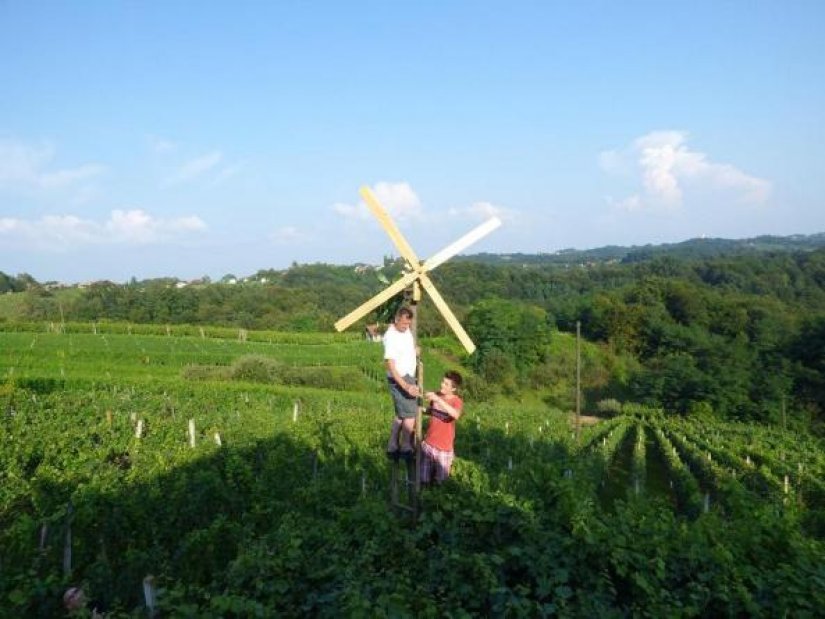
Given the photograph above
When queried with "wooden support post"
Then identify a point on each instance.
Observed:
(394, 484)
(67, 544)
(44, 535)
(150, 595)
(419, 429)
(192, 433)
(578, 380)
(409, 477)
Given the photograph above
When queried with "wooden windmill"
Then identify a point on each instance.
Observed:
(417, 271)
(416, 277)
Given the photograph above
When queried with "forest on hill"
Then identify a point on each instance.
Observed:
(736, 335)
(692, 248)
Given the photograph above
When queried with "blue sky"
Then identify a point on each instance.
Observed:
(189, 138)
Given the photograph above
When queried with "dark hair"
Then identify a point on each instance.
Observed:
(454, 377)
(404, 311)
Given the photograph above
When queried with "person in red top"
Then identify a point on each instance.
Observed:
(437, 448)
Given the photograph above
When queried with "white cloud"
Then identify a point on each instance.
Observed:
(61, 232)
(630, 203)
(667, 167)
(227, 173)
(210, 168)
(29, 167)
(358, 211)
(399, 199)
(195, 168)
(137, 226)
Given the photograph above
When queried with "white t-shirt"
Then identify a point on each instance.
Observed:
(400, 347)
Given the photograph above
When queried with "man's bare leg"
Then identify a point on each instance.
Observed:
(394, 430)
(407, 432)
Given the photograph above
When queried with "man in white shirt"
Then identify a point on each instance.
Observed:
(400, 357)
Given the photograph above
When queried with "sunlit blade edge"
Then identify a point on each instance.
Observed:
(465, 241)
(389, 226)
(375, 301)
(445, 310)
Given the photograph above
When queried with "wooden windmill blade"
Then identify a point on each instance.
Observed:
(382, 297)
(418, 271)
(389, 226)
(465, 241)
(445, 310)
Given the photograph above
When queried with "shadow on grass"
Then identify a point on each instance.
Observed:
(282, 527)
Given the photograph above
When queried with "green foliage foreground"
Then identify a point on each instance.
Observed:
(288, 515)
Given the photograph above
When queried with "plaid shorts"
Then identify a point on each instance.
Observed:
(435, 464)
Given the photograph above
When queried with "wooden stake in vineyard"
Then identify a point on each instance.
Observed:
(415, 278)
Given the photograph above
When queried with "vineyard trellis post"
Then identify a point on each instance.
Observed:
(67, 542)
(578, 380)
(415, 277)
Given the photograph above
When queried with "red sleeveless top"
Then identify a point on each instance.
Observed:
(441, 431)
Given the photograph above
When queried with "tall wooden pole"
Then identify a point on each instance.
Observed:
(411, 298)
(578, 380)
(419, 377)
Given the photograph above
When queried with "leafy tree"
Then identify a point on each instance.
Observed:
(807, 352)
(10, 284)
(507, 329)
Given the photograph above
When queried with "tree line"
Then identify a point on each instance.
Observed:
(739, 336)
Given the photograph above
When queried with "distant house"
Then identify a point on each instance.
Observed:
(372, 333)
